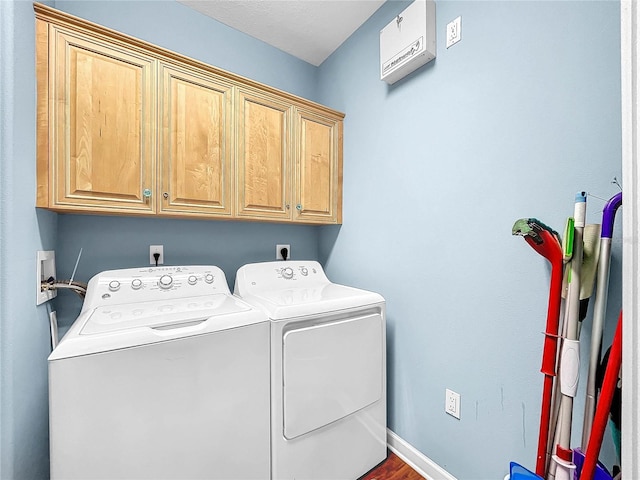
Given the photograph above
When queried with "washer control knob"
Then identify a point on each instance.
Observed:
(287, 272)
(208, 278)
(304, 271)
(114, 285)
(192, 280)
(136, 283)
(165, 281)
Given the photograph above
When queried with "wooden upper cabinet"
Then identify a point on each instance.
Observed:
(196, 143)
(263, 156)
(318, 167)
(101, 125)
(129, 128)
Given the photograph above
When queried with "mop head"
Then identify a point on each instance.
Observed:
(590, 257)
(531, 227)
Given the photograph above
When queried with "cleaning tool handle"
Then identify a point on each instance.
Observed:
(580, 209)
(569, 363)
(604, 404)
(609, 215)
(545, 242)
(564, 464)
(570, 367)
(567, 239)
(553, 253)
(599, 310)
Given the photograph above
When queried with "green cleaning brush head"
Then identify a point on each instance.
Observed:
(532, 227)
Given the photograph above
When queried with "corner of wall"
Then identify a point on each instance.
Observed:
(6, 112)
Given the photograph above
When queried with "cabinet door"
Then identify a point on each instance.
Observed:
(263, 159)
(318, 172)
(196, 143)
(103, 127)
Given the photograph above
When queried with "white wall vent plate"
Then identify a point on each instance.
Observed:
(408, 41)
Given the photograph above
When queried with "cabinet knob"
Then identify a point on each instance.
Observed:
(146, 193)
(165, 195)
(299, 207)
(288, 206)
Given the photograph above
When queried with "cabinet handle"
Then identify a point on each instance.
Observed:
(146, 193)
(299, 207)
(288, 206)
(165, 195)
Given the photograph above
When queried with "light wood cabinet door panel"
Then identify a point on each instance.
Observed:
(102, 129)
(263, 157)
(196, 167)
(318, 183)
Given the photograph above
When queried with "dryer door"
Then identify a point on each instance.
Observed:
(330, 371)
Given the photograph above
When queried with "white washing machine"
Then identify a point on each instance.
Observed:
(328, 371)
(164, 375)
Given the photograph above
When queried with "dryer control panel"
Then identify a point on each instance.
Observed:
(154, 283)
(268, 276)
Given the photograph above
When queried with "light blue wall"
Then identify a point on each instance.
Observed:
(509, 123)
(24, 329)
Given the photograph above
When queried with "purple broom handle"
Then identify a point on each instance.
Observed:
(609, 215)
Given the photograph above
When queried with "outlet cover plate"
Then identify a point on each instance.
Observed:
(45, 269)
(156, 249)
(454, 31)
(452, 403)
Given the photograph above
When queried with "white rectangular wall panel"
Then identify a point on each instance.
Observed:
(408, 41)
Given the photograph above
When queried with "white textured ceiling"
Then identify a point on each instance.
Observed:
(308, 29)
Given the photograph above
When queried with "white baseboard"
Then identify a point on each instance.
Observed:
(415, 459)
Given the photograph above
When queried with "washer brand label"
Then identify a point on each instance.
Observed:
(403, 56)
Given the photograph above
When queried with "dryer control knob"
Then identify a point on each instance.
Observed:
(192, 280)
(287, 272)
(136, 283)
(165, 281)
(114, 285)
(208, 278)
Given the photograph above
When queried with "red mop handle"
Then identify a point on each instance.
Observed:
(604, 405)
(551, 250)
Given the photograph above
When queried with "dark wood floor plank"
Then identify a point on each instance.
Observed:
(393, 468)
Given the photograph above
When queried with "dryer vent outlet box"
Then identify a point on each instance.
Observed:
(408, 41)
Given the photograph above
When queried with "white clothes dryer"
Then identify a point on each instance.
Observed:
(164, 375)
(328, 370)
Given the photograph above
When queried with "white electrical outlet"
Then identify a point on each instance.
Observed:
(156, 249)
(45, 269)
(279, 248)
(452, 403)
(454, 31)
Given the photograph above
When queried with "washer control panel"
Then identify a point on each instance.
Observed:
(154, 283)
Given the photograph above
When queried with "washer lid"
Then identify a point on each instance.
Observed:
(311, 300)
(115, 327)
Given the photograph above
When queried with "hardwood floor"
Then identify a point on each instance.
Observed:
(393, 468)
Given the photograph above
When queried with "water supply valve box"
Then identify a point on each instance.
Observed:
(408, 41)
